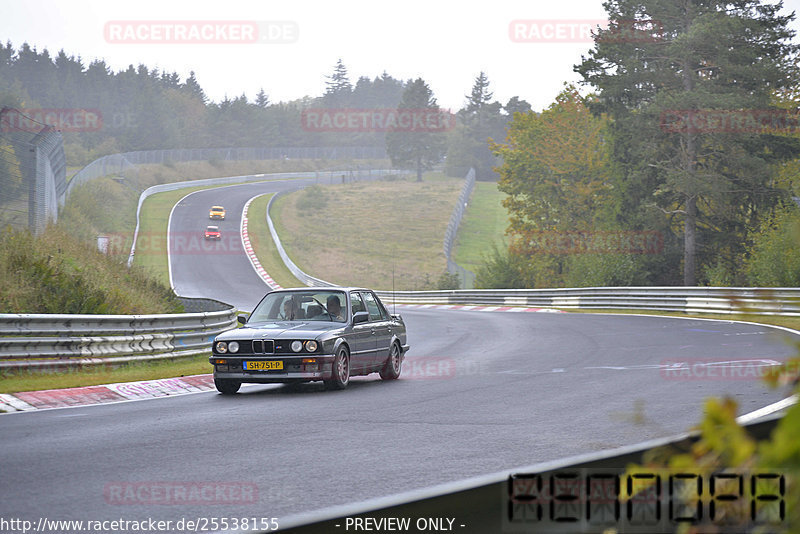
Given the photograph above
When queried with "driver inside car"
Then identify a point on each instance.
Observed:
(289, 312)
(335, 308)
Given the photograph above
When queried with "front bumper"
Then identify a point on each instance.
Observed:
(293, 369)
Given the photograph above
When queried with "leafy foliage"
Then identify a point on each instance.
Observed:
(774, 257)
(694, 56)
(448, 281)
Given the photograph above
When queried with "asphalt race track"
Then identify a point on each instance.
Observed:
(480, 392)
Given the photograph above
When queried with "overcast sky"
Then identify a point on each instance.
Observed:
(445, 42)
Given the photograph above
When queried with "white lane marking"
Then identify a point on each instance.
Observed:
(632, 367)
(746, 333)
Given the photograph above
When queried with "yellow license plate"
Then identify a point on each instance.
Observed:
(263, 366)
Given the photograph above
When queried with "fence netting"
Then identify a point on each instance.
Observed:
(32, 172)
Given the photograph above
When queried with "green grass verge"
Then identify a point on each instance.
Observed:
(263, 245)
(358, 233)
(484, 224)
(12, 382)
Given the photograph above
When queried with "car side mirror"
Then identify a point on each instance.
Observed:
(241, 318)
(360, 317)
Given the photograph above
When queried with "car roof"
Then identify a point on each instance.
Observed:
(212, 228)
(217, 208)
(334, 288)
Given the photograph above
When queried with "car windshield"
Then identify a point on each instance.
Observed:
(311, 305)
(217, 208)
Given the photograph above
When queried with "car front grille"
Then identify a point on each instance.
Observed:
(263, 346)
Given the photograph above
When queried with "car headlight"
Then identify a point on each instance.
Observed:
(233, 346)
(297, 346)
(311, 346)
(222, 347)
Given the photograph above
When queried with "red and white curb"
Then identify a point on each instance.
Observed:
(248, 248)
(26, 401)
(475, 308)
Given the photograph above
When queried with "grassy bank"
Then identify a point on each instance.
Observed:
(58, 273)
(358, 233)
(483, 225)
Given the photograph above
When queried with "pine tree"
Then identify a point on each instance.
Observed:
(262, 100)
(480, 95)
(192, 87)
(338, 87)
(414, 149)
(671, 58)
(479, 121)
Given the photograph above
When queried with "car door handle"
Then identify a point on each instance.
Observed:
(373, 331)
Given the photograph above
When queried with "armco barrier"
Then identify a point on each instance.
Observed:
(485, 504)
(50, 341)
(293, 268)
(126, 163)
(298, 273)
(466, 277)
(722, 300)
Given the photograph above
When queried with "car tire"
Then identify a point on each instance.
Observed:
(227, 387)
(340, 371)
(394, 364)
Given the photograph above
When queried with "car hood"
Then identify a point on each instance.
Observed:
(282, 330)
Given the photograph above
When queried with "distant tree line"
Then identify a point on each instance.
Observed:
(143, 108)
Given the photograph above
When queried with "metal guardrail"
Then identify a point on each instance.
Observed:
(484, 503)
(50, 341)
(126, 162)
(467, 277)
(723, 300)
(292, 266)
